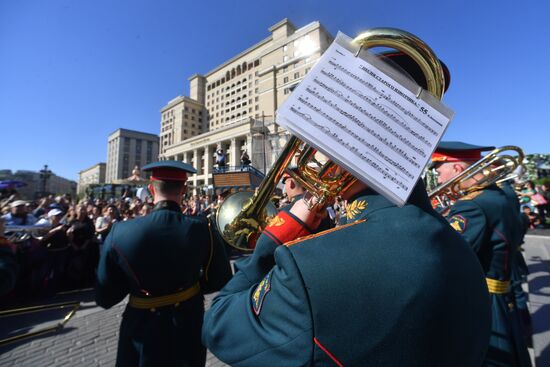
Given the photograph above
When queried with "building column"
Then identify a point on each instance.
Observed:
(185, 157)
(196, 161)
(208, 164)
(195, 188)
(248, 145)
(235, 154)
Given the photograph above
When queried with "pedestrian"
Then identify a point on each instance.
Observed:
(166, 262)
(245, 160)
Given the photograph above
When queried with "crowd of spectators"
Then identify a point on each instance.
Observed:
(56, 240)
(535, 203)
(63, 252)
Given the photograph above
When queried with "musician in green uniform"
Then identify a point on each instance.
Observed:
(487, 220)
(293, 189)
(519, 268)
(165, 261)
(391, 287)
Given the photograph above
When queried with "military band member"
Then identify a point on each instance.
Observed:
(166, 262)
(488, 221)
(293, 188)
(393, 287)
(519, 269)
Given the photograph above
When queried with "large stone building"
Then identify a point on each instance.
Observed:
(127, 149)
(37, 185)
(93, 175)
(234, 105)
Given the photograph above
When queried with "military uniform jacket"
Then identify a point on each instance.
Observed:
(488, 221)
(153, 256)
(393, 287)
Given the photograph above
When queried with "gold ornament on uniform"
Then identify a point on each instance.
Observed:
(355, 208)
(276, 222)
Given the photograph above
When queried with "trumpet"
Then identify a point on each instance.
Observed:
(72, 307)
(18, 234)
(496, 167)
(322, 179)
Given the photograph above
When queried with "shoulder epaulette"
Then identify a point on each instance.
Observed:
(301, 239)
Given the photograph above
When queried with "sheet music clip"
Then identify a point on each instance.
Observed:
(359, 50)
(419, 92)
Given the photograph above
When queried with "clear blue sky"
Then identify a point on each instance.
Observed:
(72, 72)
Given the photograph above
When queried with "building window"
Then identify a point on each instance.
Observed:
(285, 79)
(296, 75)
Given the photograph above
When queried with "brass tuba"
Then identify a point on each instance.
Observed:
(321, 178)
(495, 167)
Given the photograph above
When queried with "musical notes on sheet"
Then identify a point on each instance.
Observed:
(365, 120)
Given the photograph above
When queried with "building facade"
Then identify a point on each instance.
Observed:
(36, 186)
(127, 149)
(93, 175)
(234, 105)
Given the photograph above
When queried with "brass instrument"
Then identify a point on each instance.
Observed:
(243, 215)
(495, 167)
(72, 306)
(322, 179)
(18, 234)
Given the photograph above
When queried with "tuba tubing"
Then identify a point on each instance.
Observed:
(318, 179)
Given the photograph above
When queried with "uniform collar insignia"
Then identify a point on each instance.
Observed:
(355, 209)
(357, 205)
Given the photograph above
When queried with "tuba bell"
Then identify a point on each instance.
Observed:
(321, 178)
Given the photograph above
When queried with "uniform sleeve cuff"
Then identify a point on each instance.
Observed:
(286, 227)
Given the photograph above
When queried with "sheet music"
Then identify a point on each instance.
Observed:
(366, 116)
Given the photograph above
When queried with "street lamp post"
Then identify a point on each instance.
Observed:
(45, 174)
(264, 133)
